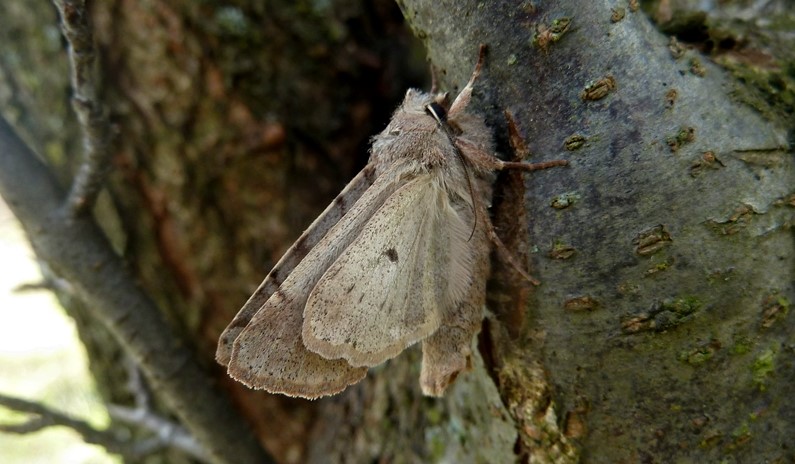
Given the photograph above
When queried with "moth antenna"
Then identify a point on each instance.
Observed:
(457, 150)
(437, 112)
(475, 204)
(462, 100)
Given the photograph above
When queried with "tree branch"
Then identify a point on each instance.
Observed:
(76, 249)
(48, 417)
(167, 433)
(85, 101)
(45, 417)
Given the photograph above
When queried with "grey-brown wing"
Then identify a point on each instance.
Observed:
(330, 216)
(268, 353)
(391, 286)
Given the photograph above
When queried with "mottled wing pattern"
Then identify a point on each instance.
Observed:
(391, 286)
(268, 353)
(306, 242)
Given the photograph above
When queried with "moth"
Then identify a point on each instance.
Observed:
(401, 256)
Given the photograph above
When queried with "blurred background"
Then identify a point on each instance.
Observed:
(41, 359)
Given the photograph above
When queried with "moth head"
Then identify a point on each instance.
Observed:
(419, 112)
(414, 129)
(415, 101)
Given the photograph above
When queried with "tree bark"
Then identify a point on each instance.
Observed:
(661, 329)
(666, 283)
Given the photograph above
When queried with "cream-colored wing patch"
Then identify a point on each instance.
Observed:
(390, 287)
(306, 242)
(268, 352)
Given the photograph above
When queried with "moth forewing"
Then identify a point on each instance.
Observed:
(319, 227)
(268, 353)
(388, 290)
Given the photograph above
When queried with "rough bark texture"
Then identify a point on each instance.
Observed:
(661, 329)
(666, 283)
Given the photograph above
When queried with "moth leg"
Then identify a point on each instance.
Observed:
(529, 167)
(503, 250)
(486, 161)
(520, 148)
(462, 100)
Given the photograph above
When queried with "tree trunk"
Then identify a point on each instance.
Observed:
(667, 278)
(660, 331)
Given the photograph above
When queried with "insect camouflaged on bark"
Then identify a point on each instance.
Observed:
(404, 261)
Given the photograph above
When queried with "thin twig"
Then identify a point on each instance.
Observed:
(32, 287)
(46, 417)
(94, 123)
(166, 433)
(136, 385)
